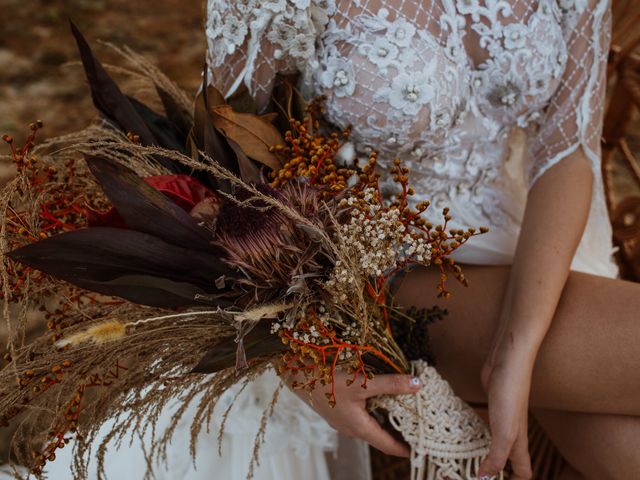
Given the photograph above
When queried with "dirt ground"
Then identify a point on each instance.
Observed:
(36, 47)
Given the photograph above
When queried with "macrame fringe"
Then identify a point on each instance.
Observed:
(437, 468)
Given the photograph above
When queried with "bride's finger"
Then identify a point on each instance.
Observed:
(391, 385)
(520, 458)
(495, 461)
(370, 431)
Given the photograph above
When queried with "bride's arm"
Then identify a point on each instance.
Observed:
(563, 162)
(555, 217)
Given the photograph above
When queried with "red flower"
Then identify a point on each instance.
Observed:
(183, 190)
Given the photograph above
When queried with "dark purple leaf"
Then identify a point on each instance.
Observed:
(151, 291)
(146, 209)
(184, 190)
(212, 142)
(242, 101)
(165, 133)
(117, 107)
(257, 343)
(106, 95)
(129, 264)
(249, 171)
(175, 113)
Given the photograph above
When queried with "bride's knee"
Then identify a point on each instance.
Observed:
(590, 466)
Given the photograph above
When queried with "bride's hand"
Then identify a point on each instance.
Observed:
(350, 416)
(507, 380)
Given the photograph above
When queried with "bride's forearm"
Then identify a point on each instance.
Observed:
(553, 223)
(554, 220)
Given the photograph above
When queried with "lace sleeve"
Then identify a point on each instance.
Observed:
(249, 42)
(573, 117)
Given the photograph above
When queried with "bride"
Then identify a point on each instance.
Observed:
(446, 84)
(496, 106)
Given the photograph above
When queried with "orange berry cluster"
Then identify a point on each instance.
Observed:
(68, 424)
(308, 153)
(58, 439)
(38, 383)
(62, 208)
(318, 360)
(61, 188)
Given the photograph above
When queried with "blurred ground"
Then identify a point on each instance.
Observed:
(36, 45)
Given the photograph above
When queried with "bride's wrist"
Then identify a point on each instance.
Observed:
(515, 350)
(518, 337)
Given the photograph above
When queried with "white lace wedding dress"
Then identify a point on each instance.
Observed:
(445, 85)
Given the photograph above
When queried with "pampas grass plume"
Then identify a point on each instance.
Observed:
(101, 333)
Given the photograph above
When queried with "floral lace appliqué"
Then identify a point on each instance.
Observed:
(439, 83)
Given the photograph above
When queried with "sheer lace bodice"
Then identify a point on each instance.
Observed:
(443, 84)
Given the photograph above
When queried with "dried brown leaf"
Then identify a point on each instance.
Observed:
(270, 117)
(253, 133)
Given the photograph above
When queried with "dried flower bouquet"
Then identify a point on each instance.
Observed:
(190, 243)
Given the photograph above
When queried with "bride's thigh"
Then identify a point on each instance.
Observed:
(602, 447)
(588, 361)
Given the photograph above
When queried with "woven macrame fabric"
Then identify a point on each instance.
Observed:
(448, 439)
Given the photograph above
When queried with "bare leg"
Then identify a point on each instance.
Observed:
(597, 446)
(588, 362)
(570, 474)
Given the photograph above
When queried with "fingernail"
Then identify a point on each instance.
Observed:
(415, 382)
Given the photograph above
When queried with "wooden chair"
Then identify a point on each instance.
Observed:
(620, 131)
